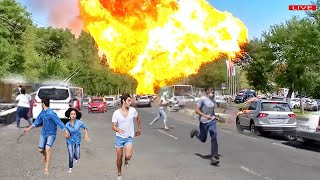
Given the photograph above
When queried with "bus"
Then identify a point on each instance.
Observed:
(182, 93)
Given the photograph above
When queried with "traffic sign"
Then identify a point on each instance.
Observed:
(223, 86)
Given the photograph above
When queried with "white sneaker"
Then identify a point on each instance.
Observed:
(75, 160)
(70, 170)
(119, 177)
(126, 164)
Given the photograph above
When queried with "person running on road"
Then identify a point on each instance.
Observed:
(23, 107)
(50, 121)
(162, 114)
(122, 124)
(74, 127)
(205, 109)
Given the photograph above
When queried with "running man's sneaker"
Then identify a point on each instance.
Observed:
(193, 133)
(126, 164)
(75, 160)
(119, 177)
(70, 170)
(214, 161)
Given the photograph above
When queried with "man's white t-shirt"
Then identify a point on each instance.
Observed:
(24, 100)
(125, 123)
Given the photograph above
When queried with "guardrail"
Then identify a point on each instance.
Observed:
(8, 116)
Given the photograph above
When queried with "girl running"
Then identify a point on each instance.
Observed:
(74, 127)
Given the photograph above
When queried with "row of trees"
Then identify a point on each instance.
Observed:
(48, 53)
(287, 55)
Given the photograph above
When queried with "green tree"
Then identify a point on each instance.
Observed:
(14, 19)
(213, 73)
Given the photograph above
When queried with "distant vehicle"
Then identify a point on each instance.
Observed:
(244, 95)
(85, 102)
(265, 116)
(278, 98)
(295, 103)
(111, 102)
(308, 131)
(97, 104)
(183, 94)
(144, 101)
(313, 105)
(60, 100)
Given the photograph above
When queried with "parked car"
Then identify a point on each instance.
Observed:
(308, 130)
(60, 100)
(111, 102)
(85, 102)
(265, 116)
(313, 105)
(295, 103)
(97, 104)
(144, 101)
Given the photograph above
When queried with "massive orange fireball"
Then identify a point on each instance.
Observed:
(159, 41)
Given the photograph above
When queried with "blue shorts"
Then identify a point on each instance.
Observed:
(121, 142)
(46, 141)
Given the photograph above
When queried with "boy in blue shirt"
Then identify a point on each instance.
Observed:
(74, 127)
(50, 121)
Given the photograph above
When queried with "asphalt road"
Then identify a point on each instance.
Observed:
(159, 154)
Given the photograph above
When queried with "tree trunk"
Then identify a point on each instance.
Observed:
(289, 96)
(301, 104)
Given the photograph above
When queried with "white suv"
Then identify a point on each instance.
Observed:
(60, 100)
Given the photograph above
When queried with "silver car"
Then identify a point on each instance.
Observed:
(265, 116)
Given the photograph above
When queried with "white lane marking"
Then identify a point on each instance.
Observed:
(187, 122)
(168, 134)
(250, 171)
(226, 131)
(250, 137)
(281, 145)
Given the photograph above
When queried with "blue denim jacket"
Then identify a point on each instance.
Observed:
(50, 121)
(75, 131)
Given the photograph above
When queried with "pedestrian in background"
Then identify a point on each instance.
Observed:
(23, 108)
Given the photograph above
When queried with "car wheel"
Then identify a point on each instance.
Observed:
(289, 136)
(253, 129)
(239, 128)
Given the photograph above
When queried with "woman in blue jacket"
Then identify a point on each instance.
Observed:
(74, 127)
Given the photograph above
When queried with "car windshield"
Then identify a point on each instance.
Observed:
(97, 100)
(275, 106)
(109, 99)
(54, 94)
(144, 97)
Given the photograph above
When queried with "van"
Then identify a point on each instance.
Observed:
(60, 100)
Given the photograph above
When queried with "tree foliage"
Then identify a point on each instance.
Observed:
(42, 53)
(287, 56)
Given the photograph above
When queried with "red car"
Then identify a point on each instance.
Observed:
(97, 104)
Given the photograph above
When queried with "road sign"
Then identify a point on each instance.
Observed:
(223, 86)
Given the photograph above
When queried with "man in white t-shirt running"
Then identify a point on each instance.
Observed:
(23, 107)
(122, 124)
(162, 114)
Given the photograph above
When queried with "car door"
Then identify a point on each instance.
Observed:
(247, 114)
(243, 115)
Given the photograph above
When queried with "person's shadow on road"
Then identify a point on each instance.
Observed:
(208, 157)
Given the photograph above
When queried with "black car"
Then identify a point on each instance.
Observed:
(244, 95)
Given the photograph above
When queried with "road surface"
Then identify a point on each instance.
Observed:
(159, 154)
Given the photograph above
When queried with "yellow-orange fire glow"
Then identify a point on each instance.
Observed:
(159, 41)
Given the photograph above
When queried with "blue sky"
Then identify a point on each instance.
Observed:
(257, 15)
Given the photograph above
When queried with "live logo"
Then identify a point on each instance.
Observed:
(302, 7)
